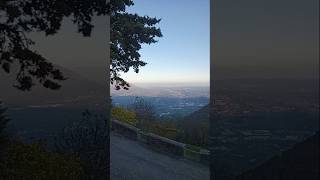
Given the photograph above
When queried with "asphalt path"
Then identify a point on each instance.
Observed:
(132, 160)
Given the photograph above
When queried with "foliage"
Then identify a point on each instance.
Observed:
(165, 129)
(123, 115)
(30, 162)
(194, 132)
(142, 114)
(87, 139)
(128, 33)
(20, 17)
(145, 113)
(162, 128)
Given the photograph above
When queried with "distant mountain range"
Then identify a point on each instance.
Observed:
(78, 90)
(165, 107)
(163, 91)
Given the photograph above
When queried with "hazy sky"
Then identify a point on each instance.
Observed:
(266, 39)
(182, 54)
(254, 38)
(86, 56)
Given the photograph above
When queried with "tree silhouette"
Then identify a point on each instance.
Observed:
(87, 140)
(20, 17)
(145, 113)
(128, 33)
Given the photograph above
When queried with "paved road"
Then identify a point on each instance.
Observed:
(131, 160)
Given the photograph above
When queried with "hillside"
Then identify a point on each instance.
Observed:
(253, 121)
(263, 100)
(201, 115)
(299, 162)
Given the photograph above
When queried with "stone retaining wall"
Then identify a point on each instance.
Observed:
(160, 143)
(125, 129)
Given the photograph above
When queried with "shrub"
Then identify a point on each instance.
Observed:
(87, 139)
(193, 132)
(165, 129)
(145, 114)
(33, 162)
(123, 115)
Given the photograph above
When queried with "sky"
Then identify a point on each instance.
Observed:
(252, 39)
(85, 56)
(266, 39)
(182, 55)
